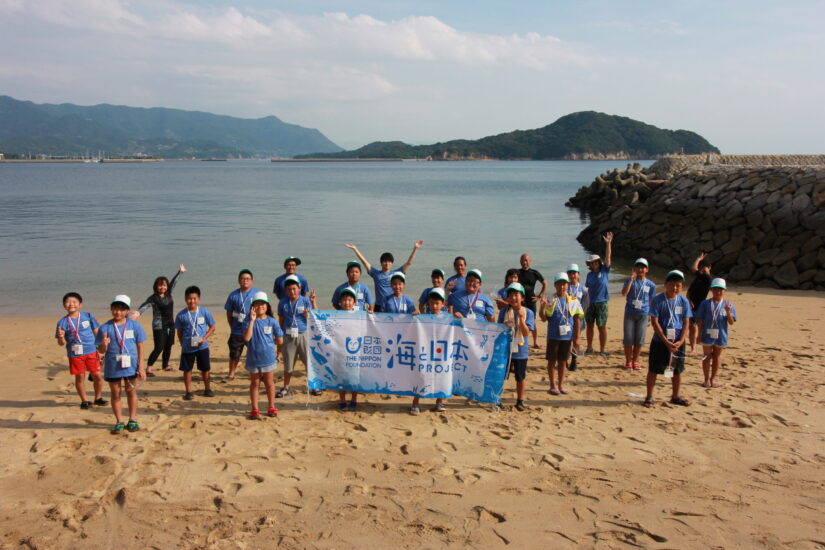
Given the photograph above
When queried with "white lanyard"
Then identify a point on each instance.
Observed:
(294, 312)
(638, 288)
(194, 322)
(563, 312)
(397, 304)
(715, 312)
(670, 310)
(243, 300)
(121, 338)
(575, 290)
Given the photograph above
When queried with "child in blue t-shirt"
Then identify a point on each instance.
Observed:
(522, 321)
(562, 313)
(363, 295)
(237, 307)
(470, 303)
(501, 296)
(194, 325)
(398, 302)
(293, 313)
(437, 278)
(670, 316)
(77, 331)
(713, 317)
(347, 302)
(382, 277)
(435, 306)
(596, 283)
(261, 334)
(639, 292)
(120, 340)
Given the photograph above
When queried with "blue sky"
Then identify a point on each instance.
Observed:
(744, 74)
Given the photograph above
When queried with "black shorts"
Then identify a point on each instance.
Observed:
(530, 304)
(188, 360)
(519, 368)
(558, 350)
(660, 357)
(119, 378)
(236, 344)
(376, 308)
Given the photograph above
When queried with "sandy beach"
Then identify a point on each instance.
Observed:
(742, 467)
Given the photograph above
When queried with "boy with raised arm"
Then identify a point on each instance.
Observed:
(596, 283)
(382, 277)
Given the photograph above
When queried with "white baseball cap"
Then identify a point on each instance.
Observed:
(718, 283)
(260, 296)
(437, 292)
(293, 278)
(475, 273)
(593, 258)
(561, 276)
(640, 261)
(573, 267)
(123, 299)
(674, 274)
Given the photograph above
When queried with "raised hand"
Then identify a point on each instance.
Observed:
(61, 333)
(106, 339)
(418, 244)
(134, 314)
(253, 315)
(182, 268)
(350, 246)
(312, 294)
(608, 237)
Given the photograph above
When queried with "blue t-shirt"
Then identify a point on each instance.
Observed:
(524, 349)
(363, 295)
(482, 305)
(193, 324)
(294, 313)
(596, 284)
(79, 331)
(279, 290)
(260, 350)
(561, 312)
(671, 314)
(382, 283)
(459, 283)
(239, 303)
(643, 291)
(404, 304)
(714, 317)
(123, 339)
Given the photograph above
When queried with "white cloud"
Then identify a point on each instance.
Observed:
(230, 26)
(96, 15)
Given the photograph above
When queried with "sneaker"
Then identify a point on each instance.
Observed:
(440, 408)
(117, 428)
(254, 414)
(208, 393)
(85, 405)
(188, 396)
(283, 392)
(519, 405)
(414, 411)
(100, 402)
(132, 426)
(589, 351)
(342, 406)
(353, 405)
(602, 354)
(572, 365)
(272, 412)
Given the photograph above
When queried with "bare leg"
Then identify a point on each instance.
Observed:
(676, 382)
(692, 337)
(651, 383)
(551, 365)
(187, 381)
(254, 381)
(589, 332)
(80, 386)
(207, 380)
(561, 368)
(114, 389)
(233, 364)
(717, 359)
(628, 356)
(602, 338)
(520, 386)
(97, 380)
(269, 384)
(132, 400)
(706, 361)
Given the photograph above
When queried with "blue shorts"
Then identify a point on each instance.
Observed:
(263, 369)
(201, 356)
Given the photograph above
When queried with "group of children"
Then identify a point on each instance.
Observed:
(266, 337)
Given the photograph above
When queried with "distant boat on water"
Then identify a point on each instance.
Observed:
(213, 160)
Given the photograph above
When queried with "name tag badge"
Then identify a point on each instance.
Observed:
(669, 372)
(77, 349)
(645, 290)
(671, 334)
(713, 333)
(201, 320)
(267, 330)
(299, 309)
(360, 296)
(471, 315)
(195, 342)
(514, 347)
(677, 310)
(85, 324)
(355, 308)
(241, 317)
(564, 330)
(129, 334)
(402, 308)
(637, 304)
(125, 360)
(292, 332)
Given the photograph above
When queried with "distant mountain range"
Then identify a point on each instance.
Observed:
(119, 131)
(583, 135)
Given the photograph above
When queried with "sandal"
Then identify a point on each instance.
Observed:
(415, 411)
(648, 402)
(680, 401)
(564, 392)
(628, 365)
(118, 428)
(167, 368)
(132, 426)
(519, 405)
(553, 391)
(283, 392)
(636, 365)
(440, 408)
(254, 414)
(150, 374)
(100, 402)
(272, 412)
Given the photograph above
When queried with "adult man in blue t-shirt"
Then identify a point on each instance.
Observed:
(596, 283)
(382, 277)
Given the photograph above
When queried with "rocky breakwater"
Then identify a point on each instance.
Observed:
(759, 225)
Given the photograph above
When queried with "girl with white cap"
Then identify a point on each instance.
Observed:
(713, 317)
(560, 311)
(261, 334)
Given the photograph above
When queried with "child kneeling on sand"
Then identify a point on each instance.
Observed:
(120, 340)
(670, 315)
(713, 317)
(261, 334)
(77, 331)
(435, 306)
(194, 326)
(563, 314)
(522, 321)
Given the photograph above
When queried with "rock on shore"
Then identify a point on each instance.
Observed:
(761, 221)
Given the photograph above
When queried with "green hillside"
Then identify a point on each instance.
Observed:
(586, 134)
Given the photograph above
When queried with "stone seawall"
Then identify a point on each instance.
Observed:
(761, 224)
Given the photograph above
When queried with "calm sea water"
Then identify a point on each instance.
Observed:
(104, 229)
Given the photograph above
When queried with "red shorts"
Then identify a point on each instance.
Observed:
(79, 365)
